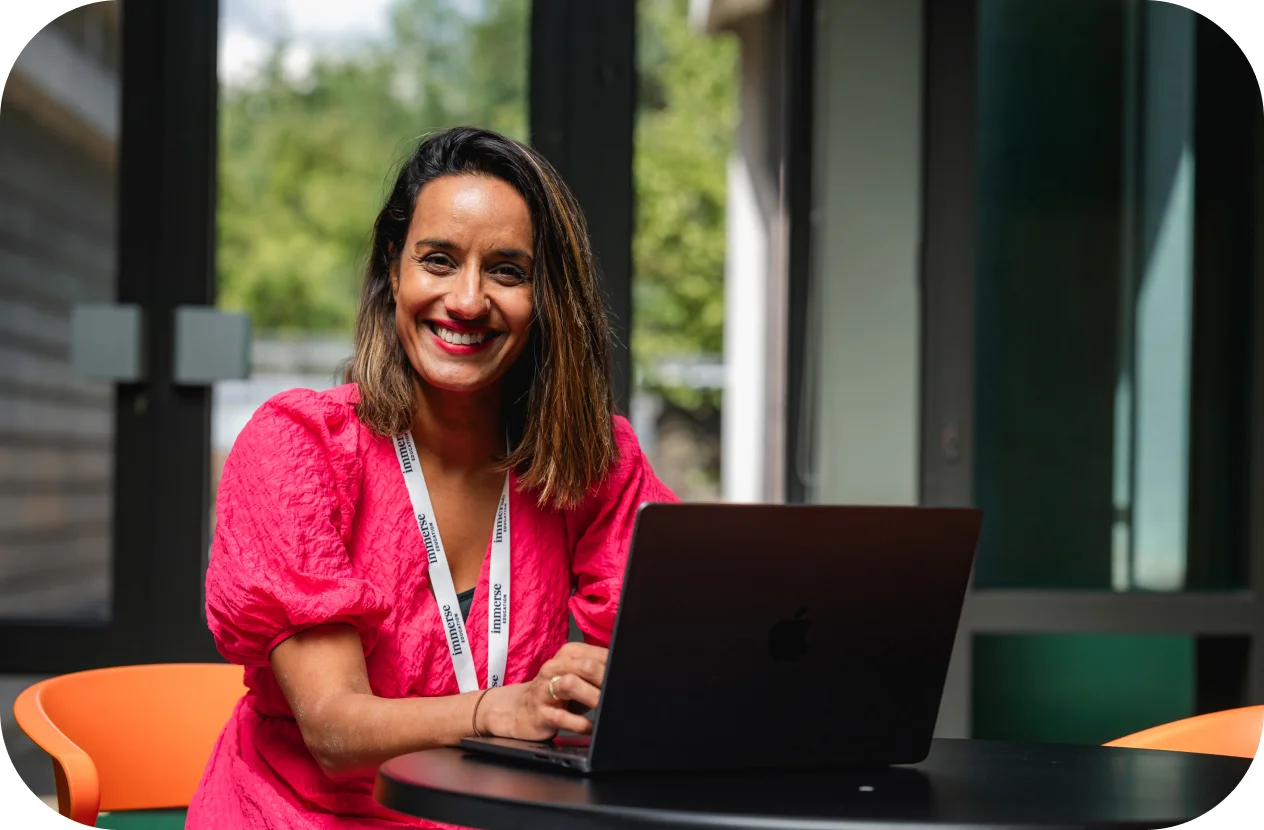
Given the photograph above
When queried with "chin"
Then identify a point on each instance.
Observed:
(457, 383)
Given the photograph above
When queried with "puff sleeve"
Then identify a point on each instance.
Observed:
(286, 501)
(602, 530)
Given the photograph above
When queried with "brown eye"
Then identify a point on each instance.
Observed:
(510, 274)
(437, 262)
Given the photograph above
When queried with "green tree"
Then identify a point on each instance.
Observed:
(300, 175)
(684, 136)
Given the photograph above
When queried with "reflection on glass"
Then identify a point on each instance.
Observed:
(318, 100)
(686, 122)
(58, 147)
(1163, 325)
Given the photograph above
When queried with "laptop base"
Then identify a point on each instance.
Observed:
(570, 754)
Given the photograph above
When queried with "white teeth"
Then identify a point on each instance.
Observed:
(458, 339)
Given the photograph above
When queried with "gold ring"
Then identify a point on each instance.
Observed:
(553, 694)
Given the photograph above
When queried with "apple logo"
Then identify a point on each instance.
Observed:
(788, 640)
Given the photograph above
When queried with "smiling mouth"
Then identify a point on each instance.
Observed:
(452, 337)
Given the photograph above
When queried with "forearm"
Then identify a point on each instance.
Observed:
(350, 731)
(351, 734)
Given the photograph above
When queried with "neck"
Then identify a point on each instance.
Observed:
(460, 431)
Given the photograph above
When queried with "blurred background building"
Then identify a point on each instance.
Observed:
(992, 252)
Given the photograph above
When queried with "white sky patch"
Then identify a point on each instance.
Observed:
(241, 54)
(249, 29)
(298, 61)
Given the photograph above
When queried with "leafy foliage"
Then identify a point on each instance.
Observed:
(684, 136)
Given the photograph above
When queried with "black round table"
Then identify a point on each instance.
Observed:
(962, 784)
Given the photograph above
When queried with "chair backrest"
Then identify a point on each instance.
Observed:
(147, 730)
(1231, 732)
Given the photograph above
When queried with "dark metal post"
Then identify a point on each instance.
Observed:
(583, 115)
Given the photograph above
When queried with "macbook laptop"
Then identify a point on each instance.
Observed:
(774, 636)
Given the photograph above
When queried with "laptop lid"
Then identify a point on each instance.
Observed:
(772, 635)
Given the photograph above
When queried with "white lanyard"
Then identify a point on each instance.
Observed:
(441, 576)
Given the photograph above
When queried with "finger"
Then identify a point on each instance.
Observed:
(571, 687)
(583, 651)
(561, 719)
(591, 671)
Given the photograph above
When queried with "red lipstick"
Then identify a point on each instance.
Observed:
(457, 331)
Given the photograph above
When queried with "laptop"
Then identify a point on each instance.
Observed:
(755, 636)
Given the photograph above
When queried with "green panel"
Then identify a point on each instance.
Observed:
(1047, 290)
(143, 820)
(1079, 688)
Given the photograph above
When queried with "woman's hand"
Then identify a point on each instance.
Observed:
(534, 711)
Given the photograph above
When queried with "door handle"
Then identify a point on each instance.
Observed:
(108, 342)
(211, 345)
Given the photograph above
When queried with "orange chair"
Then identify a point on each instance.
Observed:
(1231, 732)
(129, 738)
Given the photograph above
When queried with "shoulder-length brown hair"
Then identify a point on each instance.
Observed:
(558, 399)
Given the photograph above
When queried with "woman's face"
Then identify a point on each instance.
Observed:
(462, 283)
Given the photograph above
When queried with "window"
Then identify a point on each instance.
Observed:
(1112, 331)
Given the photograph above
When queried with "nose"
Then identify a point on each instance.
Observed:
(467, 300)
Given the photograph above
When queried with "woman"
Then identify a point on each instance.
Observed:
(381, 546)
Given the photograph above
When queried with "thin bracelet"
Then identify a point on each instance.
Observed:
(474, 719)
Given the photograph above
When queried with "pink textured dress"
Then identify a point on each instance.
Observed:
(315, 526)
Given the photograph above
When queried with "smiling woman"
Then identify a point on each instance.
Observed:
(481, 236)
(470, 471)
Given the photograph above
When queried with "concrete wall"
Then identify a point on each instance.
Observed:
(863, 347)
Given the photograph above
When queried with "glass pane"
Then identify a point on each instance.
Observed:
(685, 130)
(1080, 688)
(58, 147)
(1109, 432)
(318, 102)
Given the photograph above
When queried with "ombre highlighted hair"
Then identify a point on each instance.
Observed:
(558, 398)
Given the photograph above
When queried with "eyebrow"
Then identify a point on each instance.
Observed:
(433, 243)
(443, 244)
(513, 253)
